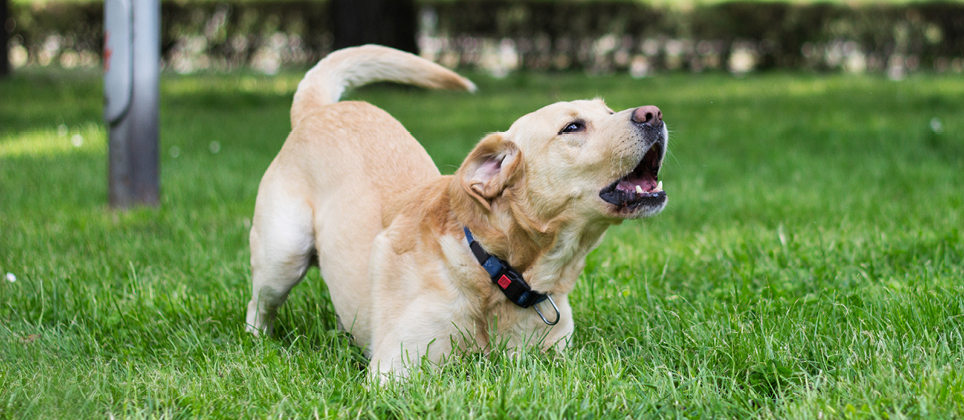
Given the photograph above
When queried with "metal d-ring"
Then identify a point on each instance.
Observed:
(558, 316)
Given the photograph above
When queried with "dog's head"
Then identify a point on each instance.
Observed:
(574, 160)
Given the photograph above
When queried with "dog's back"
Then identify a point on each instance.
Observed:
(324, 194)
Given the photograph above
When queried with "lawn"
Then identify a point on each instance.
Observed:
(809, 264)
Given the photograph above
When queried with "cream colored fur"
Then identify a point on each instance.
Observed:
(353, 192)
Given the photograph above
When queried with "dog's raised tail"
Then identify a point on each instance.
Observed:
(352, 67)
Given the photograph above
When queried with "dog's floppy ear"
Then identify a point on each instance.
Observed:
(493, 165)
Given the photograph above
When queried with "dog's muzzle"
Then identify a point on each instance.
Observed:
(641, 187)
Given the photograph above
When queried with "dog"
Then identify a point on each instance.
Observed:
(419, 264)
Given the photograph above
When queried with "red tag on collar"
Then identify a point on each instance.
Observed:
(504, 282)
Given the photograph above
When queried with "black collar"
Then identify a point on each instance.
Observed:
(509, 281)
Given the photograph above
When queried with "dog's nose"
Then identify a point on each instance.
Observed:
(648, 115)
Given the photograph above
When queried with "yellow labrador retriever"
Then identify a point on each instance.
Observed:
(417, 262)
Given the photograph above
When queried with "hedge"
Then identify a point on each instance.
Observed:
(503, 35)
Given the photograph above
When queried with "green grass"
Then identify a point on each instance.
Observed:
(809, 264)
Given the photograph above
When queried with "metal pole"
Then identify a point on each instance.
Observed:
(145, 101)
(132, 100)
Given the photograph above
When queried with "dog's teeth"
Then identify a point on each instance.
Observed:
(639, 190)
(659, 186)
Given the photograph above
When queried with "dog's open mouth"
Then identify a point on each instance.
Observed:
(641, 187)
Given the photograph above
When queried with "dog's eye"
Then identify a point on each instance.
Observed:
(573, 127)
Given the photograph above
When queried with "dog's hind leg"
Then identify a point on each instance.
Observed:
(282, 249)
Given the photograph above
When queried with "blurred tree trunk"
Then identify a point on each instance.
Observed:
(4, 54)
(391, 23)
